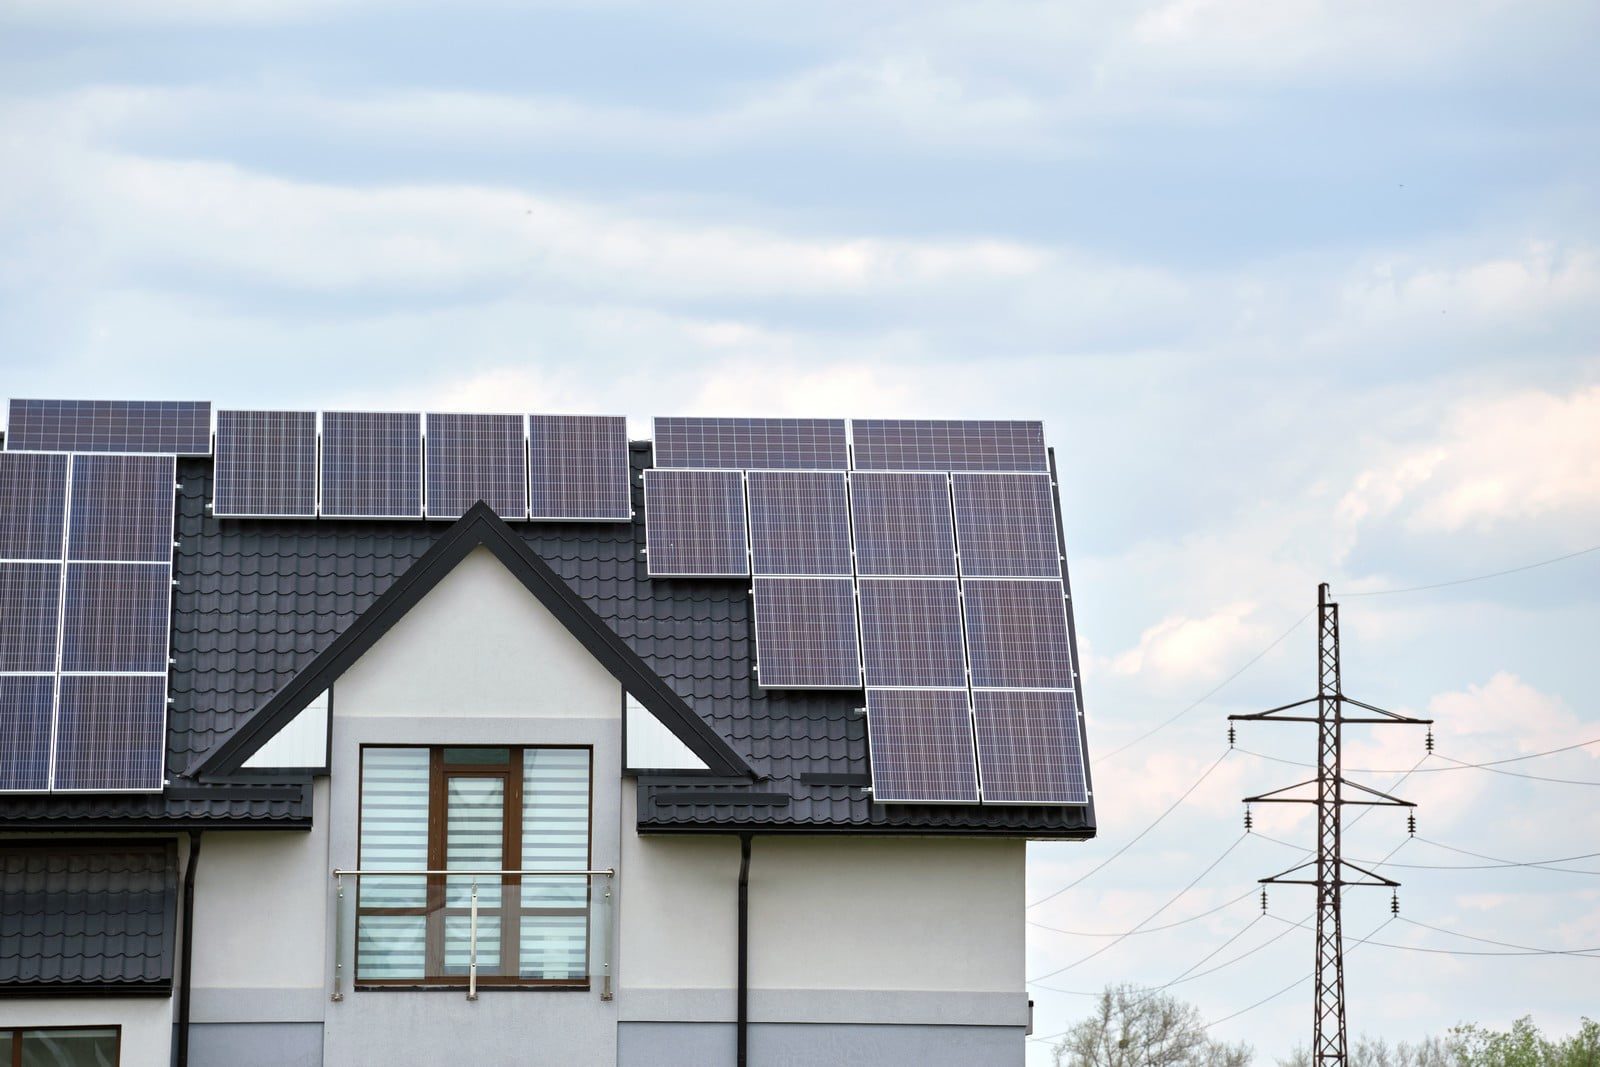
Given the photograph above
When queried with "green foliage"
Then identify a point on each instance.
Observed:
(1525, 1046)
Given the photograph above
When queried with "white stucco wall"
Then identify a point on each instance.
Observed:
(146, 1021)
(478, 645)
(477, 661)
(260, 902)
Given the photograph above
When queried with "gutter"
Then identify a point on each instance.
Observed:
(181, 1053)
(742, 1025)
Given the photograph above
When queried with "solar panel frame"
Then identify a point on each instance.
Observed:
(116, 618)
(901, 524)
(174, 427)
(807, 636)
(948, 445)
(920, 746)
(33, 505)
(27, 716)
(371, 465)
(1030, 747)
(1017, 633)
(911, 633)
(578, 469)
(799, 523)
(265, 457)
(122, 508)
(98, 715)
(751, 443)
(468, 457)
(678, 544)
(1006, 525)
(30, 617)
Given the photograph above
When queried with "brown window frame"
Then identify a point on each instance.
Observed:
(511, 772)
(16, 1033)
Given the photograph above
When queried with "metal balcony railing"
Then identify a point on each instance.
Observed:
(606, 923)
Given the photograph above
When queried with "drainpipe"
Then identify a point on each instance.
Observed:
(181, 1057)
(743, 1023)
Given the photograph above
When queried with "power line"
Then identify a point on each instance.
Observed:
(1147, 929)
(1474, 578)
(1541, 864)
(1521, 950)
(1102, 865)
(1213, 692)
(1509, 863)
(1460, 765)
(1297, 982)
(1170, 901)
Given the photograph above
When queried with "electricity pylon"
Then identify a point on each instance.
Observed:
(1329, 1045)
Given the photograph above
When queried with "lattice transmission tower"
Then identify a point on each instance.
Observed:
(1328, 1041)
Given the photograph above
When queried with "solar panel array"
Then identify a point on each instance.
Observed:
(371, 465)
(578, 468)
(751, 444)
(161, 426)
(695, 524)
(85, 603)
(406, 465)
(917, 559)
(266, 465)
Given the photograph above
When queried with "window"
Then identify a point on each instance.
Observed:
(60, 1047)
(473, 809)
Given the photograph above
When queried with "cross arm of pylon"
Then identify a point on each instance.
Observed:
(1276, 796)
(1372, 879)
(1385, 717)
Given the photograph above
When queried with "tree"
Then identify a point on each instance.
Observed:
(1525, 1046)
(1376, 1052)
(1132, 1027)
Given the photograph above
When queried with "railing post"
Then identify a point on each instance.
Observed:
(472, 946)
(607, 925)
(338, 939)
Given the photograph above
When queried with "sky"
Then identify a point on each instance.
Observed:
(1302, 291)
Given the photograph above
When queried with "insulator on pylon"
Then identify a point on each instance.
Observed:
(1394, 903)
(1411, 823)
(1263, 900)
(1247, 822)
(1231, 735)
(1429, 741)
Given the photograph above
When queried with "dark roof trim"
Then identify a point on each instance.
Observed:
(479, 526)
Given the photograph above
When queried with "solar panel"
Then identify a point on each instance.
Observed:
(111, 732)
(578, 468)
(1028, 747)
(473, 458)
(1017, 634)
(266, 464)
(122, 508)
(115, 617)
(751, 444)
(26, 704)
(911, 632)
(902, 524)
(806, 633)
(948, 445)
(799, 522)
(33, 495)
(1006, 525)
(30, 605)
(372, 464)
(920, 743)
(694, 524)
(179, 427)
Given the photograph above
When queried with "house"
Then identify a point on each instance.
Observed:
(713, 861)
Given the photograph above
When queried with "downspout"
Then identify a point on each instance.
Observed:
(743, 1018)
(181, 1055)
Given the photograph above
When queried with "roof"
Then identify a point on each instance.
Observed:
(260, 603)
(87, 917)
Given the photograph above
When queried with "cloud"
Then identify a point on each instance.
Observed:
(1498, 460)
(1506, 714)
(1179, 649)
